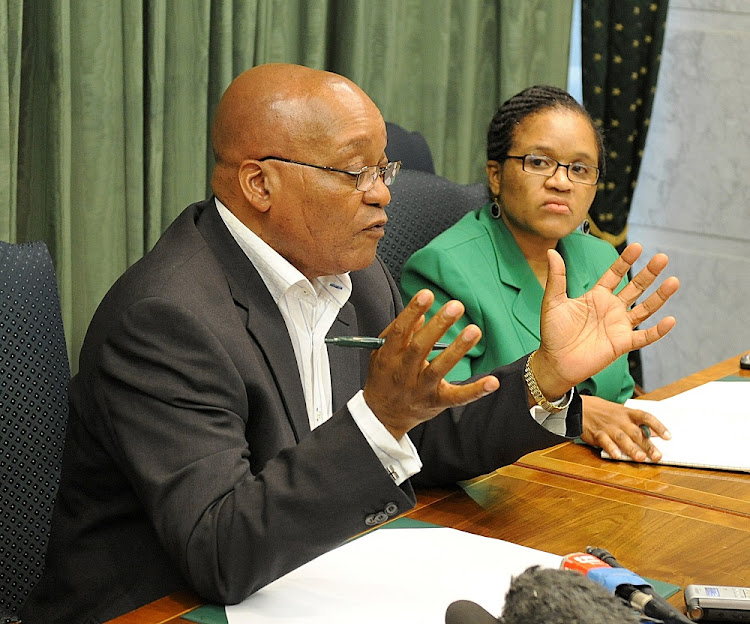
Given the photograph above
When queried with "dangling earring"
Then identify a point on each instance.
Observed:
(585, 227)
(495, 209)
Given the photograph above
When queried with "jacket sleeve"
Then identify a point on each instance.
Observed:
(177, 413)
(492, 432)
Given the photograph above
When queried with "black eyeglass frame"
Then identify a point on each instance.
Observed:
(559, 164)
(394, 166)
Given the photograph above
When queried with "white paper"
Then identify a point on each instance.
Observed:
(393, 576)
(710, 426)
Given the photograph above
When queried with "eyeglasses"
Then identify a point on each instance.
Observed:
(366, 176)
(545, 166)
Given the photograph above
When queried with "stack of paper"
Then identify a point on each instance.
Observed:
(710, 426)
(407, 576)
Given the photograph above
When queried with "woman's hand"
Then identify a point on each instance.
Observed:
(582, 336)
(617, 429)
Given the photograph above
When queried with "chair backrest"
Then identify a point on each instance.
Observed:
(409, 147)
(423, 205)
(34, 375)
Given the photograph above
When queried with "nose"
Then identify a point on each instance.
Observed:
(560, 178)
(379, 194)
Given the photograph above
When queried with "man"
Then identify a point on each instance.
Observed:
(214, 442)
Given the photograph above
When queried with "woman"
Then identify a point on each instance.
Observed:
(545, 157)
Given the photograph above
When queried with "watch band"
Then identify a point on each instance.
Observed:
(541, 400)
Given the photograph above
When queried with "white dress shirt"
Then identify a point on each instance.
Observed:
(309, 310)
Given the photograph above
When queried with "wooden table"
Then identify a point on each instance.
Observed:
(664, 522)
(712, 489)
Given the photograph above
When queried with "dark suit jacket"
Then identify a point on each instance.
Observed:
(189, 460)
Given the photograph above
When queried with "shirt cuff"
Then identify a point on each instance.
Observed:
(554, 423)
(399, 457)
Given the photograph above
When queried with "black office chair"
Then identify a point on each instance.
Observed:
(423, 205)
(34, 374)
(409, 147)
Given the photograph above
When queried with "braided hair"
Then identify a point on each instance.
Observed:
(530, 101)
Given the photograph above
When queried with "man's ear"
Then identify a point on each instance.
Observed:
(254, 185)
(494, 176)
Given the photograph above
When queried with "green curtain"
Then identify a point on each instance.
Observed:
(11, 13)
(621, 43)
(107, 103)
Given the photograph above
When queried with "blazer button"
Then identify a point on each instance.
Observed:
(371, 520)
(381, 517)
(391, 509)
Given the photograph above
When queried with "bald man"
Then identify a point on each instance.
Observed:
(215, 442)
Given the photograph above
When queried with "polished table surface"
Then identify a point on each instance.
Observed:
(669, 523)
(714, 489)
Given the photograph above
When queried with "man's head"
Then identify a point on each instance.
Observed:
(316, 218)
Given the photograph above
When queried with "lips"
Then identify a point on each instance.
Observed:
(557, 206)
(377, 225)
(375, 228)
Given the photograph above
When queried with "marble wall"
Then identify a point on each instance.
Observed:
(693, 196)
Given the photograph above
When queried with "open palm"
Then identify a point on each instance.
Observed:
(581, 336)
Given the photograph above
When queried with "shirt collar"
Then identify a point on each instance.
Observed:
(277, 273)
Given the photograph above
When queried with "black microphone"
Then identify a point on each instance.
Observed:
(659, 607)
(468, 612)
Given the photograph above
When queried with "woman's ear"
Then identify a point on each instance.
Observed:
(254, 185)
(494, 176)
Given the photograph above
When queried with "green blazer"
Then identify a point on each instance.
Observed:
(478, 262)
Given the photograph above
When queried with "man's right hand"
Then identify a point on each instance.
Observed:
(403, 389)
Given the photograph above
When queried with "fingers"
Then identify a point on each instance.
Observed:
(413, 339)
(632, 442)
(619, 269)
(643, 337)
(403, 389)
(556, 287)
(621, 431)
(654, 301)
(464, 394)
(400, 331)
(645, 277)
(655, 426)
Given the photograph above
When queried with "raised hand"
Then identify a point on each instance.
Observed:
(403, 389)
(580, 337)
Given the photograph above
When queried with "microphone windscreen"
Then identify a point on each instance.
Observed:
(468, 612)
(547, 596)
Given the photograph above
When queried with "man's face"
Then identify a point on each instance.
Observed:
(318, 220)
(549, 208)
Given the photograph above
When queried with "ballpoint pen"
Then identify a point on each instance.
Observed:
(366, 342)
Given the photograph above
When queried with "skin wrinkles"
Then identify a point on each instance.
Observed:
(317, 220)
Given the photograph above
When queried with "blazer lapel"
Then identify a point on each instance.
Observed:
(578, 276)
(344, 362)
(515, 273)
(264, 321)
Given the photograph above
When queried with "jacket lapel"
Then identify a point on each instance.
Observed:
(264, 321)
(515, 273)
(579, 276)
(345, 363)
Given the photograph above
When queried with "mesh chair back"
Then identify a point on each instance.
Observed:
(422, 206)
(34, 376)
